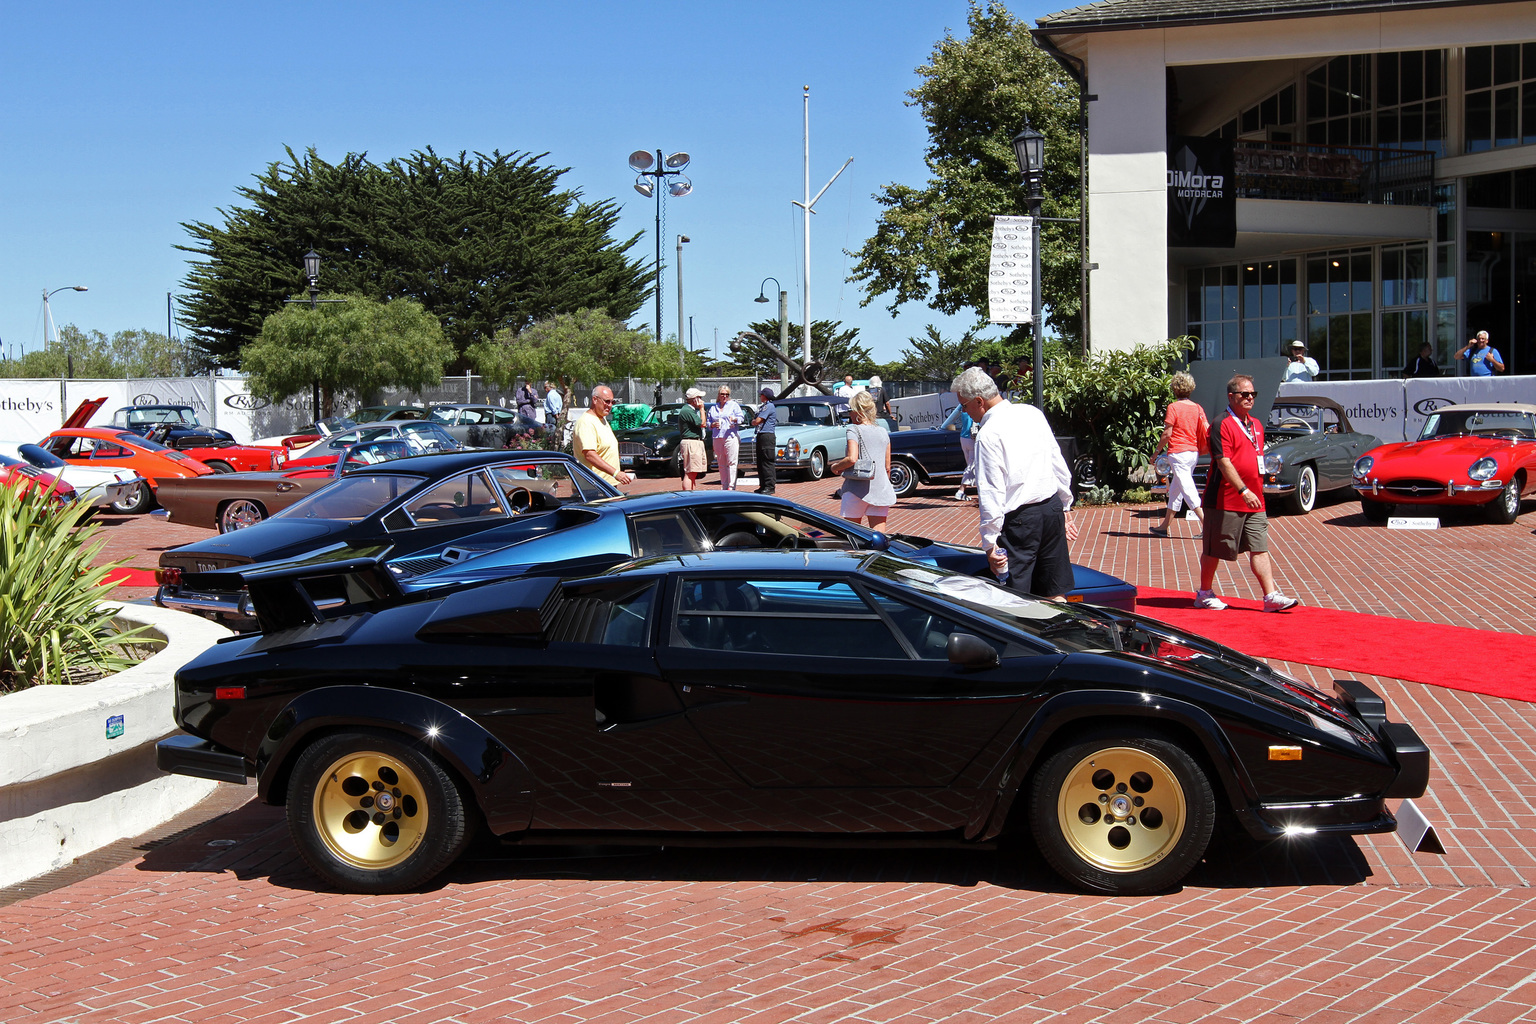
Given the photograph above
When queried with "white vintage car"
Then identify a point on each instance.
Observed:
(97, 486)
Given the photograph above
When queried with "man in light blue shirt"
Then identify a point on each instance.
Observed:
(552, 404)
(1485, 358)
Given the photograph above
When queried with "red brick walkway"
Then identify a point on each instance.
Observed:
(225, 925)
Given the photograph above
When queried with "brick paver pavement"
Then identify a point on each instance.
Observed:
(225, 924)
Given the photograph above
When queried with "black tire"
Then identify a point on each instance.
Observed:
(219, 467)
(1122, 815)
(338, 818)
(1304, 498)
(818, 466)
(1505, 509)
(240, 513)
(674, 465)
(140, 499)
(903, 477)
(1375, 511)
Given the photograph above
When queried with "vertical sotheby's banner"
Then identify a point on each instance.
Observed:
(1009, 287)
(1202, 192)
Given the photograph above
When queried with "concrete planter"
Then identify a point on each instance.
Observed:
(77, 763)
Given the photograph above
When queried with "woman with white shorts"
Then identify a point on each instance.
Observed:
(1185, 435)
(868, 500)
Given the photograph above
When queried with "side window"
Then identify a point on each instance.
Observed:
(768, 528)
(668, 533)
(812, 618)
(470, 496)
(627, 620)
(108, 450)
(926, 631)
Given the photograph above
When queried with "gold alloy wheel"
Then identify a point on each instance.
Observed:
(1121, 809)
(370, 810)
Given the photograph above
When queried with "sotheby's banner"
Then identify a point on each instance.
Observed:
(1009, 287)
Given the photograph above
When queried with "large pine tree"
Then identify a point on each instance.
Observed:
(484, 243)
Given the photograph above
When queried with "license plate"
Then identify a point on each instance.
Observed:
(626, 460)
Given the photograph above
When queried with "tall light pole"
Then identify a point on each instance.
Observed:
(783, 326)
(681, 338)
(48, 312)
(659, 169)
(808, 207)
(1029, 148)
(312, 289)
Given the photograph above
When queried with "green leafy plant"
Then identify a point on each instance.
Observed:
(1136, 496)
(1113, 402)
(53, 626)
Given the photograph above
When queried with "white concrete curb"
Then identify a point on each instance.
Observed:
(77, 763)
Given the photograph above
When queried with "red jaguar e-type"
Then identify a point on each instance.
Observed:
(1466, 455)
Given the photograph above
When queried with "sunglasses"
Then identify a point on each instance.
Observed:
(1243, 394)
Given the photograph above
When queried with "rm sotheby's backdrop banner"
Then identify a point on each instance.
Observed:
(1395, 410)
(1010, 290)
(1202, 192)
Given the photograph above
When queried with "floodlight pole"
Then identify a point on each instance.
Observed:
(661, 174)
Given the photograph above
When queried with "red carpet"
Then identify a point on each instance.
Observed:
(130, 577)
(1476, 660)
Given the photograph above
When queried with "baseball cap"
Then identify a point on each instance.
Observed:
(693, 393)
(766, 390)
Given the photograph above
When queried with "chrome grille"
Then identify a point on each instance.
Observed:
(634, 448)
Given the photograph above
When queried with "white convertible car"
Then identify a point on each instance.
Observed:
(98, 486)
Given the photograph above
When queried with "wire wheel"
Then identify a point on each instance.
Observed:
(370, 810)
(239, 514)
(375, 812)
(1127, 817)
(1505, 509)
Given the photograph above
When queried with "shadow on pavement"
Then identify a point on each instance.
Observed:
(252, 842)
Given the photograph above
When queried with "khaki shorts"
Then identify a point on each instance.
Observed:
(1228, 534)
(691, 457)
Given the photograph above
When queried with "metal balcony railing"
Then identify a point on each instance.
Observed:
(1334, 174)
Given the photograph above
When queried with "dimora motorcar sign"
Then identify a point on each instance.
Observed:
(1202, 192)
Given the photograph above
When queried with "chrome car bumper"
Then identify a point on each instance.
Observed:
(218, 603)
(1488, 489)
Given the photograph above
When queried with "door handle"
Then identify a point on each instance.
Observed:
(286, 485)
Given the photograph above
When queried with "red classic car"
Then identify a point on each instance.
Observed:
(176, 427)
(1466, 455)
(18, 474)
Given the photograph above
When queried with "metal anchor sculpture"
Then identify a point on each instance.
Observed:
(808, 375)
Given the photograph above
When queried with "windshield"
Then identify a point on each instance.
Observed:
(1484, 422)
(805, 414)
(354, 497)
(427, 436)
(145, 417)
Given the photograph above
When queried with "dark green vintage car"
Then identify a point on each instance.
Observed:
(652, 446)
(1309, 448)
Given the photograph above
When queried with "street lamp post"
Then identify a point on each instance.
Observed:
(1029, 148)
(48, 312)
(783, 325)
(659, 169)
(312, 289)
(681, 339)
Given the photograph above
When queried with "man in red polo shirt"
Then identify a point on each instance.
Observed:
(1234, 501)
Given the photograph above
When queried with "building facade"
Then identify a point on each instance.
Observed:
(1383, 168)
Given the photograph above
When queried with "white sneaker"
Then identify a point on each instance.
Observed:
(1208, 600)
(960, 494)
(1278, 602)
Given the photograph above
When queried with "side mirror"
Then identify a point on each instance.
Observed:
(971, 652)
(880, 542)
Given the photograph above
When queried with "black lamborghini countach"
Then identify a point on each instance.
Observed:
(738, 696)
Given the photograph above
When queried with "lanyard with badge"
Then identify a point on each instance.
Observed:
(1252, 436)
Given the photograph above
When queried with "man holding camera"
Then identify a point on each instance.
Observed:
(1485, 358)
(1301, 366)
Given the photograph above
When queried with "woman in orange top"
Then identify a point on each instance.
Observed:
(1184, 438)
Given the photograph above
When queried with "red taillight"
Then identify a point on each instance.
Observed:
(168, 577)
(229, 693)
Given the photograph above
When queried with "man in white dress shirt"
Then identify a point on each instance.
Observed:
(1024, 488)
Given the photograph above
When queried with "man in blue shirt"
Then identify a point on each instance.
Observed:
(766, 421)
(1485, 358)
(552, 404)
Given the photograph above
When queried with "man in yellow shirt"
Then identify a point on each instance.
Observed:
(593, 440)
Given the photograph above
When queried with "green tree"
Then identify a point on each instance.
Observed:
(484, 243)
(587, 346)
(835, 347)
(932, 244)
(91, 354)
(932, 358)
(355, 345)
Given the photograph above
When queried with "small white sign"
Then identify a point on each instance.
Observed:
(1412, 523)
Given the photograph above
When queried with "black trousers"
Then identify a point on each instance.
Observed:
(767, 470)
(1035, 537)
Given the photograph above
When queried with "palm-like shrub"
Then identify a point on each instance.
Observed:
(52, 625)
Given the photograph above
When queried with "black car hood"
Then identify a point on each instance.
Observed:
(643, 434)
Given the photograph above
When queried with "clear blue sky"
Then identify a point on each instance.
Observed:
(121, 121)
